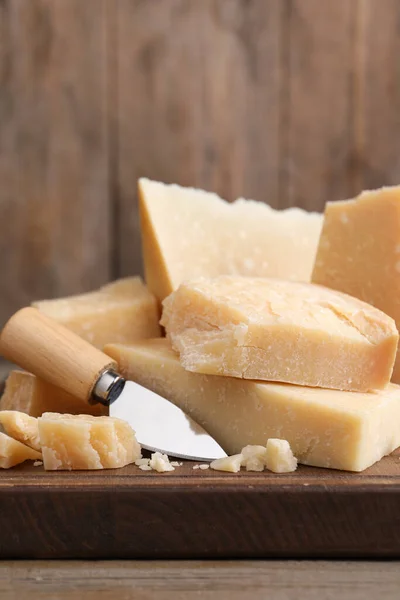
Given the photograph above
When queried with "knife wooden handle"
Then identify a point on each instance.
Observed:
(51, 351)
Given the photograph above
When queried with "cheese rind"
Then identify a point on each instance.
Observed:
(27, 393)
(279, 457)
(276, 330)
(75, 442)
(325, 428)
(359, 251)
(120, 312)
(13, 452)
(191, 233)
(21, 427)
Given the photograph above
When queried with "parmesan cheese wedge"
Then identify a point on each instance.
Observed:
(27, 393)
(359, 251)
(277, 330)
(121, 312)
(13, 452)
(72, 442)
(325, 428)
(191, 233)
(21, 427)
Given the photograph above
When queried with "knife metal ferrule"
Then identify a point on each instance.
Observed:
(108, 388)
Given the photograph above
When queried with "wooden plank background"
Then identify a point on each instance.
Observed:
(292, 102)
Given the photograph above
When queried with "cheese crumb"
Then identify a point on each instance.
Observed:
(230, 464)
(142, 461)
(279, 456)
(175, 463)
(254, 458)
(145, 467)
(196, 467)
(38, 463)
(160, 462)
(204, 467)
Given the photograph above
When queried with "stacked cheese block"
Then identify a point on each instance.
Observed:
(253, 351)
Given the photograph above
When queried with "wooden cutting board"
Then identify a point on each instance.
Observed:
(189, 513)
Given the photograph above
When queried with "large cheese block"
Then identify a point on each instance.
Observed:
(278, 330)
(121, 312)
(27, 393)
(13, 452)
(190, 233)
(325, 428)
(21, 427)
(75, 442)
(359, 251)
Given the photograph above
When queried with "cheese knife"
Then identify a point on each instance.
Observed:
(49, 350)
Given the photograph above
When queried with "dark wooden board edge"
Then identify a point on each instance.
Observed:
(170, 521)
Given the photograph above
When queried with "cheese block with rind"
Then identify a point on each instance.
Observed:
(275, 330)
(359, 251)
(189, 233)
(30, 394)
(325, 428)
(120, 312)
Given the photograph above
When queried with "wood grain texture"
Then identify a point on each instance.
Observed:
(176, 580)
(312, 513)
(54, 204)
(317, 141)
(198, 102)
(53, 352)
(379, 105)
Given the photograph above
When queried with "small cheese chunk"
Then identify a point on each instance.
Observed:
(230, 464)
(254, 458)
(27, 393)
(121, 312)
(279, 456)
(325, 428)
(72, 442)
(278, 330)
(160, 462)
(13, 452)
(21, 427)
(190, 233)
(359, 251)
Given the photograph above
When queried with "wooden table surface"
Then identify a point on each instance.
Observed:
(231, 580)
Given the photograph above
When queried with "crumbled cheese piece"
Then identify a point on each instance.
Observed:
(13, 452)
(160, 462)
(21, 427)
(145, 467)
(204, 467)
(340, 342)
(84, 442)
(279, 456)
(231, 464)
(38, 463)
(142, 461)
(175, 463)
(254, 458)
(196, 467)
